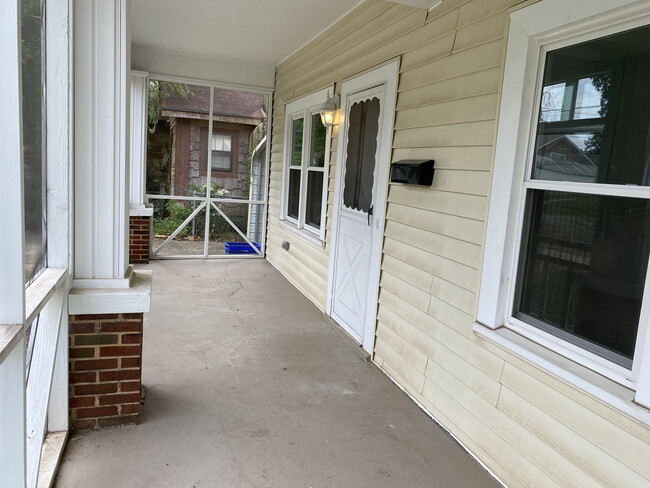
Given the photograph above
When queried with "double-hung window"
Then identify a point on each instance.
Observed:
(306, 158)
(221, 147)
(574, 215)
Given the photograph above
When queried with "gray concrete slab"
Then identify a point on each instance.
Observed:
(249, 386)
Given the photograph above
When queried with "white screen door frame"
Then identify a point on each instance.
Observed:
(386, 77)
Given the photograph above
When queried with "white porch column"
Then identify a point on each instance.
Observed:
(104, 282)
(102, 61)
(138, 153)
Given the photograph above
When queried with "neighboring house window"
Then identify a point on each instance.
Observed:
(33, 101)
(221, 147)
(305, 164)
(577, 282)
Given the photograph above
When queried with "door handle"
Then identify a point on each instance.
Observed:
(370, 212)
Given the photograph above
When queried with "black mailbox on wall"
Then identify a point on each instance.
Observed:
(412, 172)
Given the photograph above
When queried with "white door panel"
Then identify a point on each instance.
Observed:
(355, 229)
(351, 289)
(364, 152)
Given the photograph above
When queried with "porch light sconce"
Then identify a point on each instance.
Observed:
(329, 110)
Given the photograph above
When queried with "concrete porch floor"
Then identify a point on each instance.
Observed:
(249, 386)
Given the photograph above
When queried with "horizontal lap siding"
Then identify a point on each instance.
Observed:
(528, 427)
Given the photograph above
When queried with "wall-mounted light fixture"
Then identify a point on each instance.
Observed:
(329, 109)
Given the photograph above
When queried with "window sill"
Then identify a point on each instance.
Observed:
(36, 296)
(9, 337)
(305, 234)
(43, 287)
(600, 387)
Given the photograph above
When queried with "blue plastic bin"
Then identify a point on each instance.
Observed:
(240, 247)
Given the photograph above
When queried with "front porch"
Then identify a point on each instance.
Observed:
(248, 385)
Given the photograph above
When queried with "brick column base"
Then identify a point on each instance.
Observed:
(105, 370)
(139, 239)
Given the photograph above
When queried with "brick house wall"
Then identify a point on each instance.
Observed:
(139, 239)
(105, 370)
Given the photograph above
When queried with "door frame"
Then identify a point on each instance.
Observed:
(387, 76)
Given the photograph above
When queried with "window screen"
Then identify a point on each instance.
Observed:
(361, 149)
(33, 99)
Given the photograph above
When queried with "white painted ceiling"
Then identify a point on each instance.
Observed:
(255, 31)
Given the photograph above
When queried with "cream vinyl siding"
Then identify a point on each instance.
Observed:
(528, 427)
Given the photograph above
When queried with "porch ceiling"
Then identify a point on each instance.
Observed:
(252, 31)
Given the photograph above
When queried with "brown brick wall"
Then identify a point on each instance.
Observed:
(139, 239)
(105, 370)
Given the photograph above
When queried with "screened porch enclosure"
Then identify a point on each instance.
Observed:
(197, 212)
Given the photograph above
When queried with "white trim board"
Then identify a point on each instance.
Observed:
(251, 76)
(135, 299)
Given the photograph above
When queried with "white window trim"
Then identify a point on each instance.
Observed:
(305, 107)
(549, 24)
(210, 141)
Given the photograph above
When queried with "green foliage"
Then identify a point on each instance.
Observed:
(159, 90)
(168, 218)
(298, 126)
(173, 215)
(318, 136)
(593, 145)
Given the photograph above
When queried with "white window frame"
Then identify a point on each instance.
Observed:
(230, 153)
(534, 30)
(30, 411)
(305, 107)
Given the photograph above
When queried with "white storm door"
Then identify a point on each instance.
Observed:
(355, 207)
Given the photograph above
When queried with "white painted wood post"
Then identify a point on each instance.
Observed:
(41, 372)
(12, 290)
(59, 132)
(138, 152)
(12, 293)
(12, 416)
(57, 409)
(59, 184)
(101, 139)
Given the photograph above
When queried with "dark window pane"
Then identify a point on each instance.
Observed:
(584, 269)
(33, 139)
(595, 112)
(293, 200)
(360, 159)
(296, 142)
(314, 198)
(318, 134)
(221, 161)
